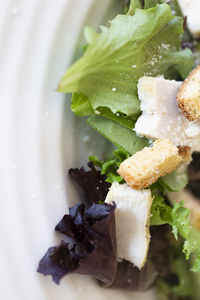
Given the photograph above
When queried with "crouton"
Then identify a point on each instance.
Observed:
(188, 97)
(185, 153)
(146, 166)
(161, 117)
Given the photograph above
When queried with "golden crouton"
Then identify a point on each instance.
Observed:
(188, 97)
(185, 153)
(146, 166)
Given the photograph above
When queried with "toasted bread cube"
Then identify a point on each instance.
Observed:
(188, 97)
(185, 153)
(161, 117)
(146, 166)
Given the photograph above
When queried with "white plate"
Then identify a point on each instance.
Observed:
(39, 140)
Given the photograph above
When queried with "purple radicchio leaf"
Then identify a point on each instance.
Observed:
(94, 251)
(159, 248)
(58, 261)
(92, 182)
(131, 278)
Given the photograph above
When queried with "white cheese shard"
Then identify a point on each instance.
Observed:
(132, 217)
(191, 9)
(161, 117)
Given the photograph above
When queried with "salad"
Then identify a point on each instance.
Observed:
(138, 83)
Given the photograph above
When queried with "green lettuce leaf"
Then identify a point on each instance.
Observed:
(133, 5)
(178, 217)
(151, 3)
(184, 283)
(177, 180)
(119, 55)
(128, 122)
(186, 286)
(175, 7)
(192, 246)
(172, 3)
(117, 134)
(81, 106)
(196, 264)
(110, 166)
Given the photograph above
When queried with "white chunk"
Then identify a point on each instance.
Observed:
(132, 222)
(161, 117)
(191, 9)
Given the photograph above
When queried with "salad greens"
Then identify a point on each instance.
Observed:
(147, 43)
(132, 7)
(173, 182)
(110, 166)
(119, 135)
(178, 217)
(104, 79)
(176, 180)
(181, 284)
(81, 105)
(148, 40)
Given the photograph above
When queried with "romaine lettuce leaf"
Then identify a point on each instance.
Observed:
(147, 43)
(117, 134)
(177, 180)
(81, 107)
(128, 122)
(133, 5)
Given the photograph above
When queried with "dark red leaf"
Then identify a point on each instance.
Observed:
(130, 277)
(91, 182)
(94, 251)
